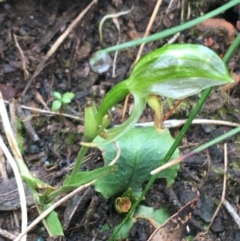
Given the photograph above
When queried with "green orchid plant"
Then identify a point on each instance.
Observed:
(175, 71)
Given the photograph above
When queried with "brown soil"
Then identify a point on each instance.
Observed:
(28, 29)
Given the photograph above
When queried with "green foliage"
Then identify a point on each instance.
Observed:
(61, 100)
(156, 217)
(51, 222)
(88, 176)
(176, 71)
(141, 151)
(80, 179)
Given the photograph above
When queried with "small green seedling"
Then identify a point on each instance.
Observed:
(61, 100)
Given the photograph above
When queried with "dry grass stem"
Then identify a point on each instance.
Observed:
(159, 2)
(224, 185)
(19, 182)
(18, 157)
(5, 233)
(23, 58)
(232, 212)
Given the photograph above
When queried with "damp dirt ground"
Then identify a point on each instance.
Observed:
(50, 142)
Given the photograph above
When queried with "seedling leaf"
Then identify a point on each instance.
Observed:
(67, 97)
(57, 95)
(56, 105)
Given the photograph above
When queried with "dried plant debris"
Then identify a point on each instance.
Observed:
(218, 26)
(175, 226)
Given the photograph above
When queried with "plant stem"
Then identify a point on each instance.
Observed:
(176, 143)
(81, 154)
(216, 140)
(173, 30)
(114, 96)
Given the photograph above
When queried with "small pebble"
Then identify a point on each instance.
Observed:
(7, 68)
(33, 149)
(7, 6)
(206, 128)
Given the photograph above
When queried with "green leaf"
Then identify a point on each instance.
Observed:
(51, 222)
(57, 95)
(88, 176)
(142, 150)
(67, 97)
(114, 96)
(178, 71)
(155, 216)
(115, 132)
(123, 233)
(90, 125)
(56, 105)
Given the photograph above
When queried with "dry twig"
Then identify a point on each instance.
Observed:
(23, 58)
(13, 144)
(149, 28)
(224, 185)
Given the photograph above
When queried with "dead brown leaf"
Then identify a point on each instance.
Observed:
(175, 226)
(220, 27)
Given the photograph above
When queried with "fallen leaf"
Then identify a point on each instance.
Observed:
(8, 91)
(175, 226)
(218, 26)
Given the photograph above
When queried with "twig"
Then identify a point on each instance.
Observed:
(125, 107)
(48, 112)
(189, 11)
(143, 44)
(224, 185)
(171, 6)
(173, 38)
(13, 144)
(39, 98)
(167, 116)
(21, 191)
(23, 58)
(232, 212)
(5, 233)
(112, 15)
(56, 45)
(116, 22)
(182, 11)
(27, 124)
(50, 209)
(3, 171)
(167, 124)
(177, 123)
(149, 28)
